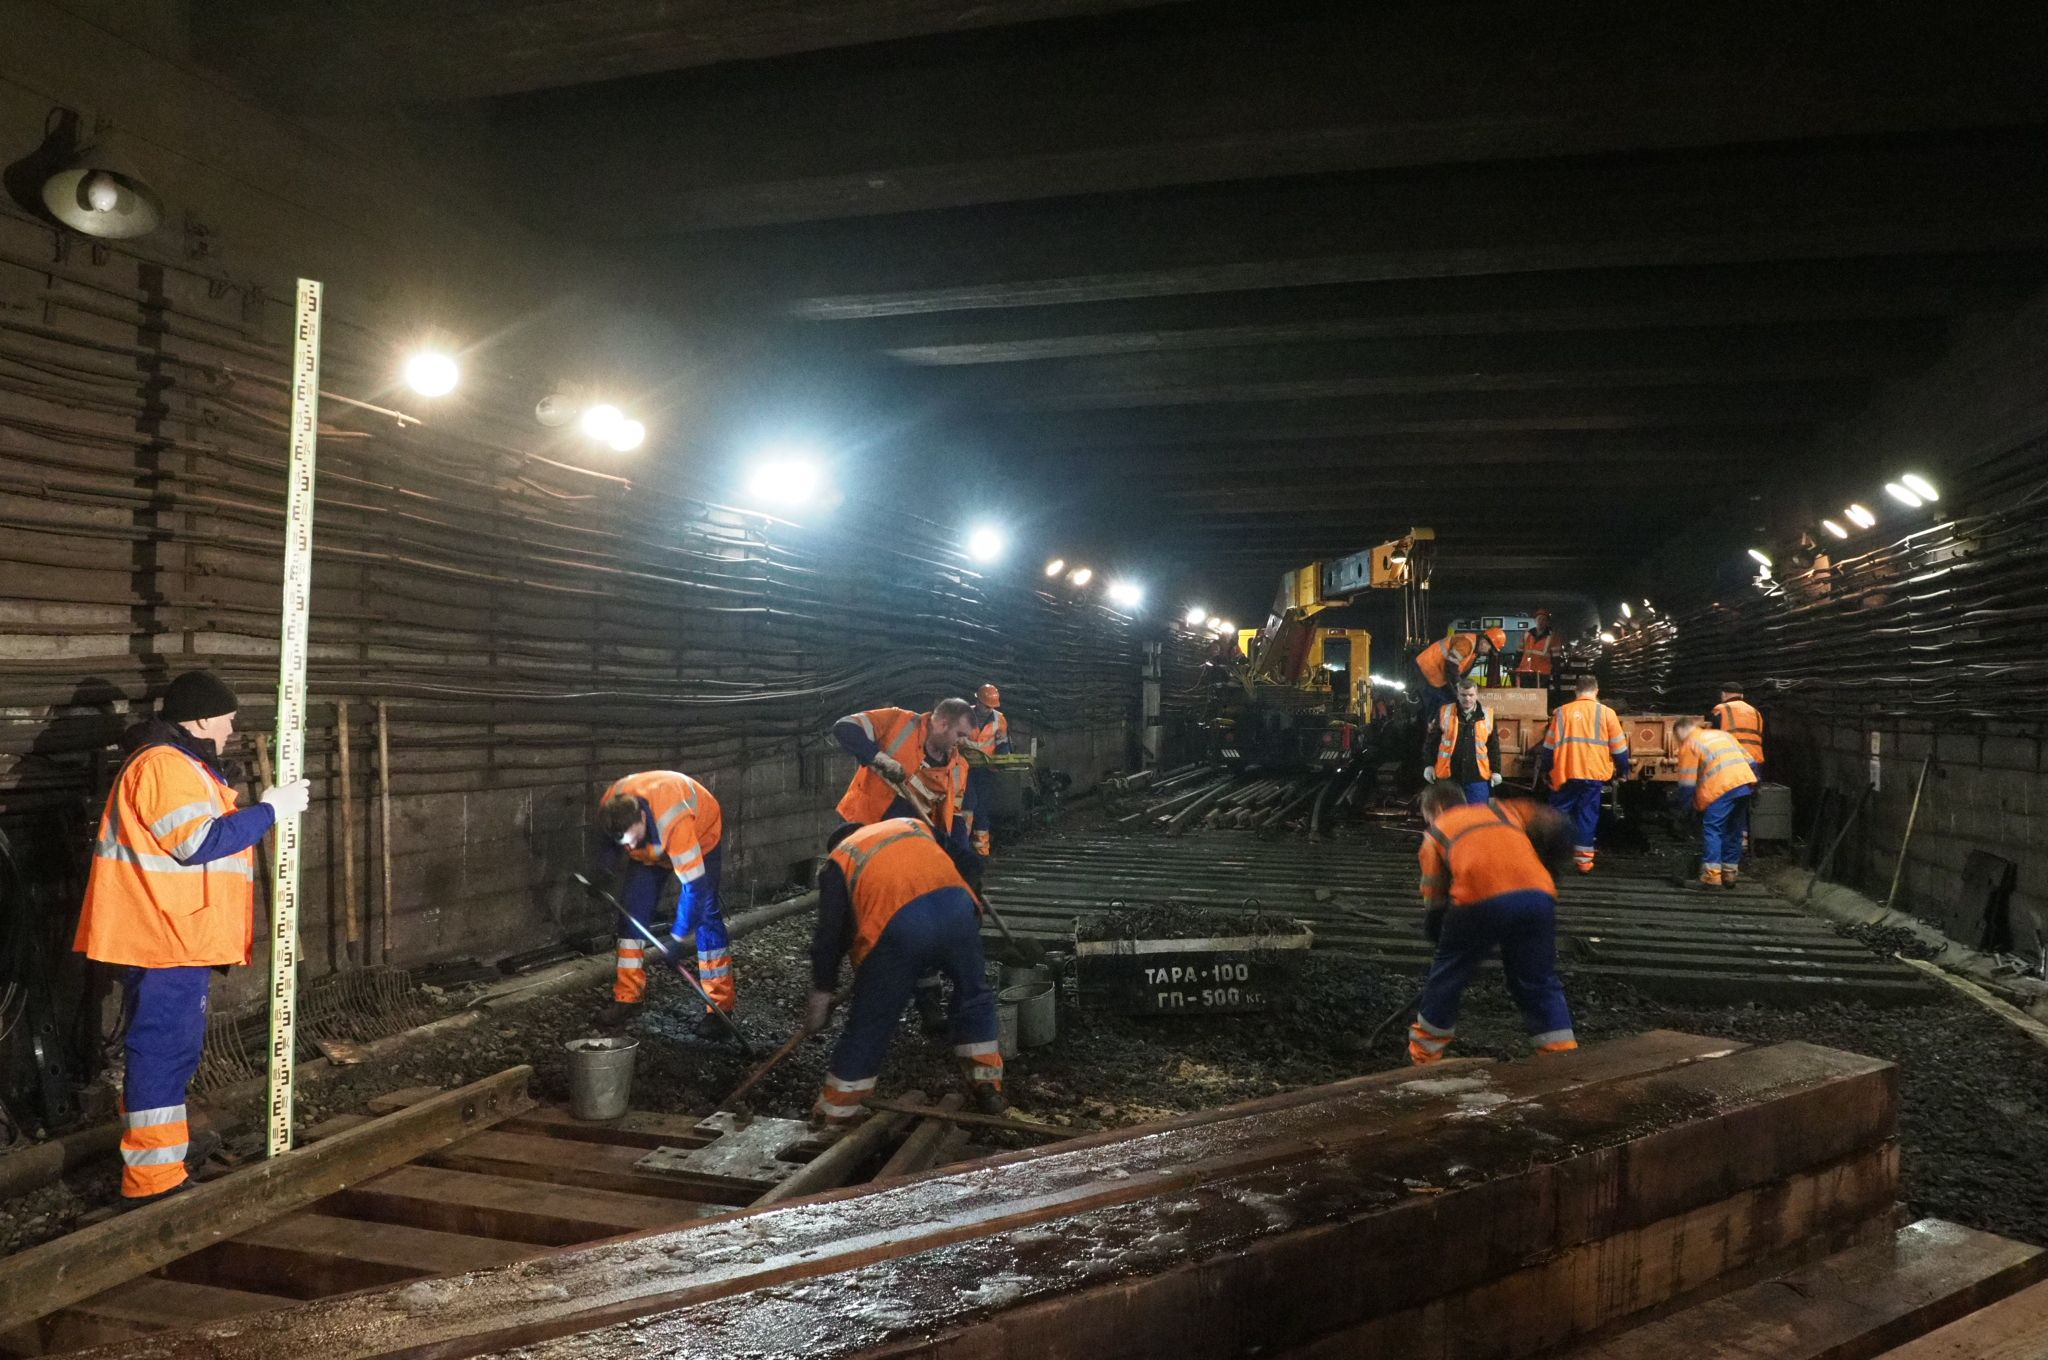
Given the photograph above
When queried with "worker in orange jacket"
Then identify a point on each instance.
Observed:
(1739, 719)
(663, 824)
(172, 896)
(988, 733)
(902, 905)
(1583, 749)
(1532, 668)
(1485, 886)
(1716, 778)
(1448, 660)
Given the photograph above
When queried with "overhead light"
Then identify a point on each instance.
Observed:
(431, 373)
(1082, 576)
(627, 435)
(985, 543)
(1648, 605)
(1860, 517)
(97, 191)
(1903, 495)
(784, 481)
(1129, 594)
(1761, 559)
(1607, 637)
(1837, 530)
(1920, 487)
(601, 421)
(1196, 617)
(1228, 629)
(1056, 566)
(1626, 612)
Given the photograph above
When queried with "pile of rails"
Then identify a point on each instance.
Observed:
(1478, 1212)
(1175, 801)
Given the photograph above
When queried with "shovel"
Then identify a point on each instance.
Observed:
(739, 1036)
(1023, 953)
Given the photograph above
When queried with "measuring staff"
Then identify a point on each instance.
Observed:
(172, 896)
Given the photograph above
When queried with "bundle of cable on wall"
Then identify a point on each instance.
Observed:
(1940, 624)
(524, 620)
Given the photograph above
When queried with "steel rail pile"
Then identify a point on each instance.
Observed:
(1942, 623)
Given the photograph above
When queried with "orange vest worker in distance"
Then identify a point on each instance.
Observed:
(902, 906)
(1535, 658)
(1485, 887)
(669, 825)
(1583, 749)
(1739, 719)
(988, 733)
(894, 744)
(1446, 660)
(1715, 775)
(171, 896)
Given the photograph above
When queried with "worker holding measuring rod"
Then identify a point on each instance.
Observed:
(662, 824)
(172, 896)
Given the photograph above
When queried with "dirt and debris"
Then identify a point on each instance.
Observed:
(1889, 939)
(1180, 921)
(1974, 1129)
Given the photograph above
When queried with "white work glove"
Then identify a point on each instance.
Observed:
(888, 767)
(1496, 781)
(289, 800)
(817, 1011)
(1428, 775)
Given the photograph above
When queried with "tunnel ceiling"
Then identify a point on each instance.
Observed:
(1240, 283)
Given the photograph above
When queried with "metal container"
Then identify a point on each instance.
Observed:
(1218, 975)
(600, 1076)
(1036, 1013)
(1018, 974)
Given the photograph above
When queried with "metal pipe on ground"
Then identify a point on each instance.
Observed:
(1178, 823)
(836, 1165)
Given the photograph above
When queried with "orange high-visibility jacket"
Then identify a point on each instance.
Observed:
(992, 736)
(901, 734)
(887, 866)
(1741, 721)
(1444, 661)
(1482, 732)
(1584, 738)
(1479, 851)
(1712, 763)
(687, 820)
(1535, 654)
(144, 906)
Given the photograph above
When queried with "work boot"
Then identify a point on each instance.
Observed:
(619, 1014)
(988, 1100)
(1728, 876)
(710, 1026)
(138, 1201)
(1709, 878)
(200, 1146)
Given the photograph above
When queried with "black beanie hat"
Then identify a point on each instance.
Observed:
(196, 695)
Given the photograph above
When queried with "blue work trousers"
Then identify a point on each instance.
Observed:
(697, 913)
(1480, 793)
(1523, 927)
(1579, 801)
(938, 932)
(166, 1033)
(1724, 826)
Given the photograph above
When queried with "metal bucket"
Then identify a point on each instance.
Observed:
(1036, 1014)
(600, 1076)
(1019, 975)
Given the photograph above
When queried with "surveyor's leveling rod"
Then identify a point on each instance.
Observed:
(291, 707)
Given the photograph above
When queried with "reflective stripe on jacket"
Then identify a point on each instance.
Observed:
(900, 734)
(992, 736)
(1479, 851)
(1585, 737)
(686, 822)
(145, 906)
(1712, 763)
(886, 866)
(1442, 662)
(1447, 749)
(1741, 721)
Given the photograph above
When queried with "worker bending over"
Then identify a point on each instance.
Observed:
(663, 823)
(1532, 668)
(1583, 749)
(1715, 776)
(1740, 720)
(902, 905)
(1469, 752)
(1447, 660)
(896, 747)
(988, 732)
(172, 896)
(1486, 886)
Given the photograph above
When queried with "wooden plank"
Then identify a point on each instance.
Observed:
(147, 1305)
(508, 1209)
(46, 1278)
(310, 1256)
(643, 1129)
(2014, 1328)
(599, 1166)
(1850, 1305)
(1395, 1162)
